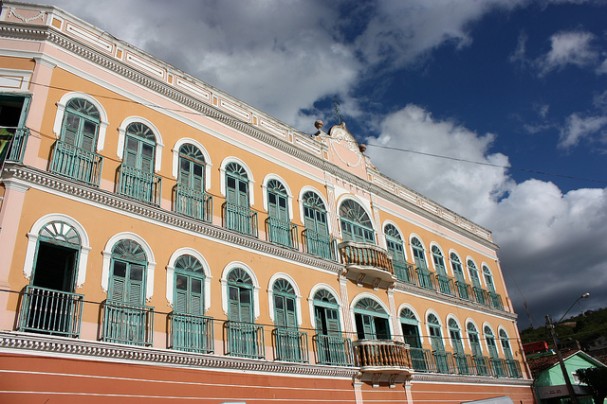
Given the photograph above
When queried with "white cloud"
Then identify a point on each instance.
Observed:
(539, 229)
(568, 48)
(577, 128)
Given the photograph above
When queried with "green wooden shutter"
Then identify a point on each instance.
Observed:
(180, 303)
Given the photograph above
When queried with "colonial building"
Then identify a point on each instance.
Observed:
(162, 240)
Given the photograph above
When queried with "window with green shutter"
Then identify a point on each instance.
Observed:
(460, 281)
(355, 223)
(127, 277)
(331, 348)
(444, 282)
(315, 221)
(242, 333)
(476, 282)
(438, 346)
(279, 224)
(458, 347)
(190, 198)
(188, 297)
(237, 212)
(286, 335)
(396, 248)
(410, 327)
(137, 178)
(419, 256)
(371, 320)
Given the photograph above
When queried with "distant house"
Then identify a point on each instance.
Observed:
(549, 383)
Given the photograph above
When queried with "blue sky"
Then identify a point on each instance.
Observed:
(519, 86)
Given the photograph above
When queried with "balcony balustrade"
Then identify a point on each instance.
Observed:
(50, 311)
(290, 345)
(318, 244)
(333, 350)
(282, 232)
(244, 340)
(367, 264)
(76, 163)
(191, 333)
(479, 295)
(424, 278)
(463, 290)
(445, 284)
(193, 203)
(240, 219)
(12, 143)
(138, 184)
(127, 324)
(404, 271)
(495, 301)
(512, 368)
(378, 355)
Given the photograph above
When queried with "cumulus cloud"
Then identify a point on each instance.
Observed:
(568, 48)
(551, 242)
(578, 128)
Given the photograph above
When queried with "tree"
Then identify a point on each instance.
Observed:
(595, 379)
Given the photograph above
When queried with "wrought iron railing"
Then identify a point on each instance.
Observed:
(513, 368)
(496, 301)
(424, 278)
(141, 185)
(497, 367)
(462, 363)
(76, 163)
(381, 353)
(193, 203)
(127, 324)
(367, 255)
(318, 244)
(244, 340)
(481, 365)
(333, 350)
(290, 345)
(191, 333)
(403, 271)
(420, 359)
(240, 219)
(440, 361)
(12, 143)
(50, 311)
(479, 295)
(463, 290)
(282, 232)
(445, 284)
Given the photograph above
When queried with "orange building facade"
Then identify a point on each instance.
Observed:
(162, 240)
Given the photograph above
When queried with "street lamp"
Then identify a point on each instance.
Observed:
(550, 326)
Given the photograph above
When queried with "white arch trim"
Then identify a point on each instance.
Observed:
(364, 204)
(157, 136)
(224, 286)
(452, 316)
(302, 192)
(32, 242)
(371, 296)
(170, 281)
(478, 333)
(208, 164)
(103, 121)
(274, 278)
(313, 292)
(222, 177)
(107, 258)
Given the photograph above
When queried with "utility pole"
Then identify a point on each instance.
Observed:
(550, 326)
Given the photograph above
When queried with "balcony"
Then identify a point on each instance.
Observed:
(244, 340)
(140, 185)
(333, 350)
(190, 333)
(445, 284)
(12, 144)
(383, 361)
(240, 219)
(318, 244)
(127, 324)
(290, 345)
(367, 264)
(479, 295)
(495, 301)
(282, 232)
(424, 278)
(76, 163)
(48, 311)
(193, 203)
(463, 290)
(404, 271)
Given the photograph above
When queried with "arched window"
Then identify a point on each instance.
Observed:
(316, 234)
(496, 364)
(330, 344)
(125, 313)
(481, 365)
(190, 197)
(237, 213)
(286, 335)
(494, 299)
(396, 248)
(371, 320)
(355, 223)
(190, 331)
(444, 283)
(419, 256)
(460, 281)
(137, 179)
(458, 347)
(410, 327)
(476, 282)
(511, 364)
(279, 224)
(242, 333)
(438, 347)
(74, 155)
(49, 304)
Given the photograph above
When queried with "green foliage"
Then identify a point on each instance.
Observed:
(584, 328)
(595, 379)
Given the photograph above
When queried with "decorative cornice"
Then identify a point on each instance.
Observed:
(49, 33)
(79, 349)
(45, 180)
